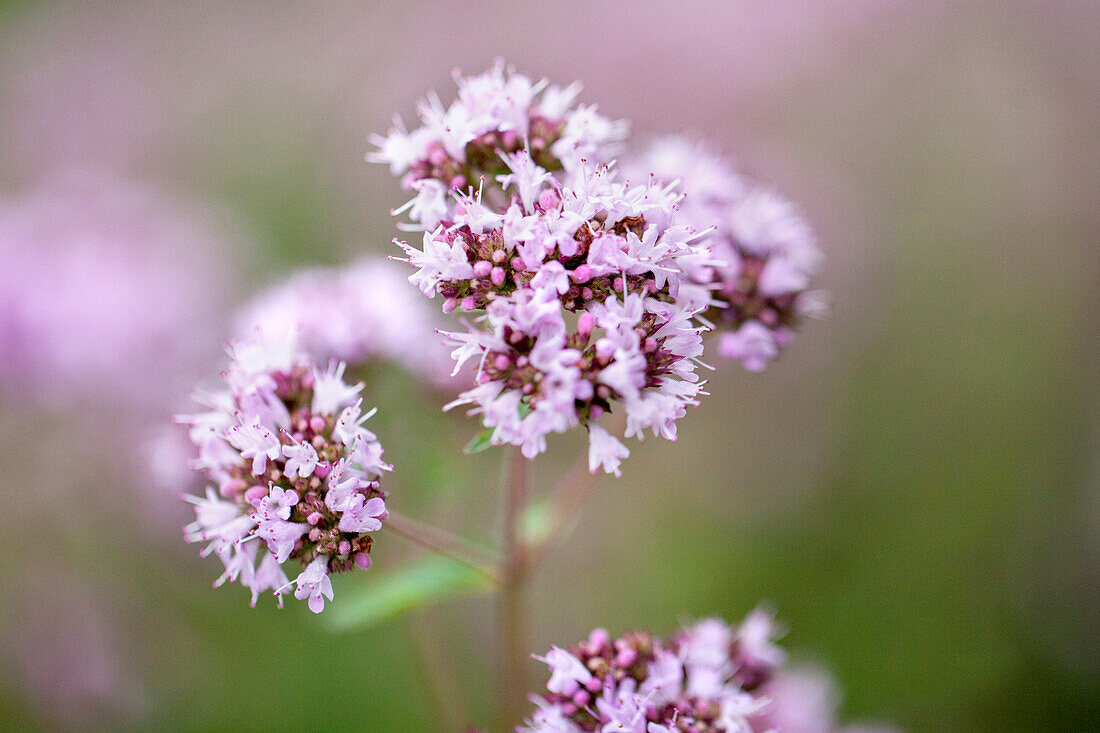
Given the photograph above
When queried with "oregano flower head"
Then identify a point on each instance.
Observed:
(295, 475)
(575, 276)
(763, 254)
(707, 677)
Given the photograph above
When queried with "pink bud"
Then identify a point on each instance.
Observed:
(314, 535)
(458, 182)
(595, 412)
(508, 138)
(581, 698)
(469, 303)
(232, 487)
(617, 284)
(499, 256)
(549, 199)
(502, 362)
(345, 547)
(482, 268)
(626, 657)
(497, 276)
(315, 518)
(322, 470)
(362, 559)
(583, 391)
(317, 423)
(255, 493)
(449, 305)
(586, 323)
(582, 274)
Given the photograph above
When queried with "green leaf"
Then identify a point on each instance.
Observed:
(387, 595)
(480, 442)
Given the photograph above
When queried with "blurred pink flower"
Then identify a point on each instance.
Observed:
(108, 291)
(360, 314)
(759, 253)
(805, 700)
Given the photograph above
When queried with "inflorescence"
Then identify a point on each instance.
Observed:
(709, 677)
(590, 292)
(763, 253)
(297, 475)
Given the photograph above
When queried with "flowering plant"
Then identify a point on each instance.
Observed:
(589, 289)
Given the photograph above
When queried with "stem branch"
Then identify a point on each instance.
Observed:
(440, 540)
(565, 503)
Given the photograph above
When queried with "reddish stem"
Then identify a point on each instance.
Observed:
(514, 654)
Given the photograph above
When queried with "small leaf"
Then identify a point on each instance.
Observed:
(387, 595)
(480, 442)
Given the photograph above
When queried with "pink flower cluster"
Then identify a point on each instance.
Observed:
(763, 253)
(297, 474)
(579, 276)
(709, 677)
(358, 314)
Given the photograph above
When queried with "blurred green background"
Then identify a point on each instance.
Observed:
(913, 486)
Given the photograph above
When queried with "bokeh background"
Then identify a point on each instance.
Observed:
(913, 486)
